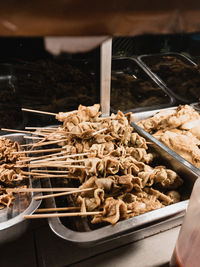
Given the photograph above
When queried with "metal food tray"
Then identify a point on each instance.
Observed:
(147, 114)
(161, 81)
(12, 222)
(139, 226)
(132, 67)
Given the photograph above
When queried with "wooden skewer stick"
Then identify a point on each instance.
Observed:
(30, 173)
(64, 194)
(41, 157)
(149, 143)
(37, 151)
(59, 161)
(55, 176)
(57, 166)
(46, 129)
(20, 166)
(21, 131)
(100, 131)
(38, 111)
(50, 189)
(64, 157)
(32, 137)
(57, 209)
(47, 143)
(45, 175)
(49, 171)
(54, 215)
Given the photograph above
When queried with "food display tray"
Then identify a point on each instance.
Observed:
(136, 88)
(147, 114)
(148, 61)
(12, 222)
(136, 227)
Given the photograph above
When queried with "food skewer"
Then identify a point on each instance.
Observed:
(46, 112)
(46, 143)
(48, 171)
(40, 157)
(46, 129)
(39, 174)
(55, 176)
(63, 194)
(54, 215)
(50, 189)
(57, 209)
(64, 157)
(45, 175)
(22, 131)
(38, 111)
(149, 143)
(33, 137)
(100, 131)
(37, 151)
(58, 166)
(67, 214)
(48, 161)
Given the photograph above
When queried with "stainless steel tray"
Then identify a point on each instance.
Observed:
(12, 223)
(138, 116)
(147, 114)
(142, 225)
(137, 93)
(168, 88)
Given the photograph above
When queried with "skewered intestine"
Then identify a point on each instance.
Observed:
(92, 202)
(114, 210)
(82, 114)
(6, 147)
(117, 165)
(6, 200)
(10, 176)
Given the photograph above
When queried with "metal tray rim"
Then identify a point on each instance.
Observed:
(129, 225)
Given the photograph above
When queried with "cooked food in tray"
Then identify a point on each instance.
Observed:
(10, 174)
(134, 87)
(135, 92)
(179, 129)
(115, 173)
(179, 74)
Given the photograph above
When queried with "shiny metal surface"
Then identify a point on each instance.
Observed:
(141, 223)
(147, 114)
(12, 223)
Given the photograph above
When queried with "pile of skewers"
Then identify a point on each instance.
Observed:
(108, 159)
